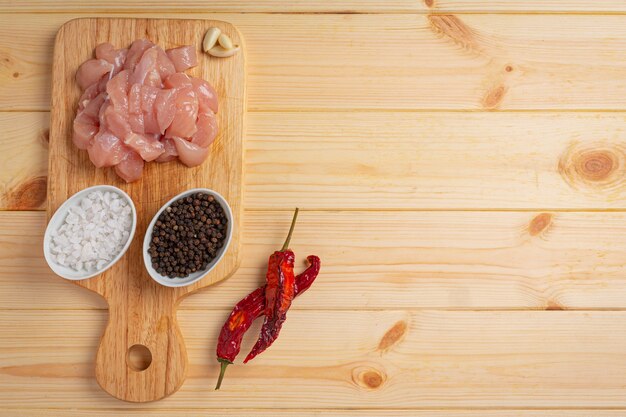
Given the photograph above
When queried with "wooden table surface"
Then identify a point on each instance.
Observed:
(461, 166)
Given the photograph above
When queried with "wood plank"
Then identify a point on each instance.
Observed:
(359, 412)
(412, 260)
(382, 62)
(332, 359)
(24, 160)
(393, 160)
(318, 6)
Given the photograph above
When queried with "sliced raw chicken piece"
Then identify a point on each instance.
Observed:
(130, 167)
(189, 153)
(91, 71)
(92, 108)
(89, 93)
(135, 52)
(178, 80)
(183, 57)
(116, 122)
(164, 64)
(134, 99)
(117, 57)
(207, 129)
(117, 89)
(146, 71)
(146, 146)
(170, 151)
(106, 150)
(86, 123)
(136, 123)
(103, 108)
(207, 97)
(84, 131)
(165, 107)
(184, 122)
(150, 124)
(148, 96)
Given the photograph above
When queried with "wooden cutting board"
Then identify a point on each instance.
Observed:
(142, 354)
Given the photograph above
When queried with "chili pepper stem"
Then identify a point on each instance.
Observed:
(293, 225)
(224, 363)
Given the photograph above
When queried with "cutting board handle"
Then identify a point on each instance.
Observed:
(142, 355)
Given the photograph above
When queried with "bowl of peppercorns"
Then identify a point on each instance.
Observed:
(187, 237)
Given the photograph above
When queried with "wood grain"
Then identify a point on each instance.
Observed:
(164, 412)
(382, 260)
(331, 359)
(24, 160)
(141, 311)
(377, 62)
(556, 161)
(318, 6)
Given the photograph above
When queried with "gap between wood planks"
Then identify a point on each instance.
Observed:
(143, 11)
(374, 412)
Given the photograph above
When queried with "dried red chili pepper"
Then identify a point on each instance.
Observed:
(250, 308)
(279, 293)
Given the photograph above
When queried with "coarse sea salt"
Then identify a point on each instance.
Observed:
(94, 231)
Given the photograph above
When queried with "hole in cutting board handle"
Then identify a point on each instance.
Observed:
(138, 358)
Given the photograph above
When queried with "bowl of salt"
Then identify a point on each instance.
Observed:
(90, 232)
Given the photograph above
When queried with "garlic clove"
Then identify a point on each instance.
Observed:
(221, 52)
(225, 41)
(210, 38)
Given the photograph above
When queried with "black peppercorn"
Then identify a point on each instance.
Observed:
(187, 236)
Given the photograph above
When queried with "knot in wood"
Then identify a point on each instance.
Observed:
(368, 378)
(595, 166)
(540, 223)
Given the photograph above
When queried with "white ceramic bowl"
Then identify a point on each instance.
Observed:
(57, 221)
(198, 275)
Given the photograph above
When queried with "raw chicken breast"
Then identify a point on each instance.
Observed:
(91, 71)
(116, 122)
(92, 91)
(137, 105)
(83, 133)
(146, 71)
(136, 123)
(135, 52)
(130, 167)
(86, 123)
(147, 147)
(183, 57)
(184, 122)
(164, 64)
(189, 153)
(92, 108)
(178, 80)
(117, 89)
(106, 150)
(170, 151)
(88, 95)
(207, 129)
(165, 107)
(207, 97)
(117, 57)
(147, 97)
(134, 99)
